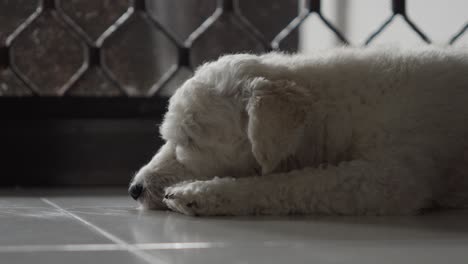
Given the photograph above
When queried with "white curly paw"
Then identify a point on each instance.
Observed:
(199, 197)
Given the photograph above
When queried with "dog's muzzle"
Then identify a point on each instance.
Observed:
(135, 190)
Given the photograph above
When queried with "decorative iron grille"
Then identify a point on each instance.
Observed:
(82, 82)
(79, 58)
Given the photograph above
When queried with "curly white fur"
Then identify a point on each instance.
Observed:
(349, 131)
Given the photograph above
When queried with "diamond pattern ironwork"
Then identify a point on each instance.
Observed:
(132, 48)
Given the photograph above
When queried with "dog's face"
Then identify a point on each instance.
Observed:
(205, 136)
(225, 126)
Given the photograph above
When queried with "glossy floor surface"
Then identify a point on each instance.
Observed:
(104, 226)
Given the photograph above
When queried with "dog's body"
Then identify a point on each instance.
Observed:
(351, 131)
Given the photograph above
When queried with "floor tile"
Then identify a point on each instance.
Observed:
(17, 202)
(117, 201)
(96, 197)
(28, 222)
(32, 226)
(81, 257)
(135, 226)
(20, 198)
(318, 253)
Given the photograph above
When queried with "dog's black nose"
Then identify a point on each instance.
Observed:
(135, 190)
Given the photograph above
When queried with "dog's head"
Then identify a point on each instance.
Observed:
(219, 127)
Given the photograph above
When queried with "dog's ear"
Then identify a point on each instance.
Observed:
(277, 111)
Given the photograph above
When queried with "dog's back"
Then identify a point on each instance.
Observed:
(380, 98)
(373, 99)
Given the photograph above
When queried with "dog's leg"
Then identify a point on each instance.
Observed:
(382, 185)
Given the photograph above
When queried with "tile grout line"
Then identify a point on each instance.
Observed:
(110, 247)
(132, 249)
(60, 248)
(199, 245)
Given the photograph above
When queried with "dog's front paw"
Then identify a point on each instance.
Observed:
(183, 197)
(199, 197)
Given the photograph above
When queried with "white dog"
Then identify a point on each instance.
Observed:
(347, 132)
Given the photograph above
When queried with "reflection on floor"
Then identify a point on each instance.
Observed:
(104, 226)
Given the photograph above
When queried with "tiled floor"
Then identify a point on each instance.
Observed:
(104, 226)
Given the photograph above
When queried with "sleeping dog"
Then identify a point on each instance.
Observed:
(345, 132)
